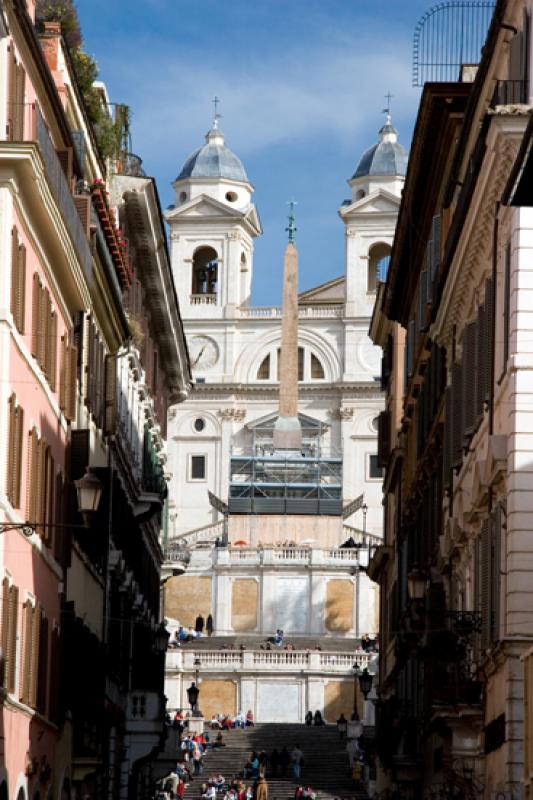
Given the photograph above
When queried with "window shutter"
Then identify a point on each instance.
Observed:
(468, 380)
(42, 669)
(39, 485)
(70, 409)
(35, 304)
(20, 308)
(44, 330)
(11, 92)
(65, 159)
(48, 496)
(448, 439)
(33, 453)
(10, 476)
(485, 588)
(11, 651)
(110, 395)
(63, 373)
(495, 570)
(422, 300)
(457, 415)
(34, 658)
(489, 313)
(383, 438)
(18, 280)
(83, 205)
(26, 653)
(78, 340)
(53, 351)
(16, 93)
(4, 629)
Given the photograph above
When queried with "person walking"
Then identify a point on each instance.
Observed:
(261, 789)
(199, 624)
(297, 758)
(209, 625)
(342, 726)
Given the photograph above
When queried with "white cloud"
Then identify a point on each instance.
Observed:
(311, 91)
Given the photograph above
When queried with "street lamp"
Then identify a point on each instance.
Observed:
(416, 583)
(365, 682)
(89, 492)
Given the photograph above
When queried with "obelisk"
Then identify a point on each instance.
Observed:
(287, 430)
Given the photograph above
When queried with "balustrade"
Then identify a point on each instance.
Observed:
(259, 660)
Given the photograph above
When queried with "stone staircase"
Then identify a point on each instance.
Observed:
(325, 760)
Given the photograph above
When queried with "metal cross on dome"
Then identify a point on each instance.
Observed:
(216, 101)
(388, 98)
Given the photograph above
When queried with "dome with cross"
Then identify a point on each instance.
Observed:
(387, 157)
(214, 160)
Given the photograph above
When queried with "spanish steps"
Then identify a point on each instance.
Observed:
(325, 767)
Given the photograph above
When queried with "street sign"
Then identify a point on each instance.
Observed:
(217, 503)
(352, 507)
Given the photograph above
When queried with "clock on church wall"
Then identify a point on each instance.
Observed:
(204, 352)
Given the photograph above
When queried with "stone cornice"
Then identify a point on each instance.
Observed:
(471, 260)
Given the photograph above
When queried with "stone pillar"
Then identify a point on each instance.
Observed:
(287, 431)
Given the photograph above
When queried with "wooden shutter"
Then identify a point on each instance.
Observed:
(34, 658)
(18, 280)
(15, 100)
(11, 651)
(457, 415)
(14, 452)
(448, 441)
(48, 496)
(78, 340)
(4, 629)
(65, 159)
(489, 342)
(64, 364)
(35, 314)
(52, 362)
(485, 588)
(70, 408)
(110, 415)
(468, 380)
(33, 452)
(496, 519)
(42, 668)
(83, 205)
(44, 330)
(25, 670)
(482, 380)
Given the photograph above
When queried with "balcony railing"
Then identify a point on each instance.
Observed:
(62, 192)
(203, 299)
(510, 92)
(287, 556)
(266, 660)
(304, 312)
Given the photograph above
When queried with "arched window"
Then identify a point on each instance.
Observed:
(317, 370)
(205, 271)
(263, 373)
(378, 264)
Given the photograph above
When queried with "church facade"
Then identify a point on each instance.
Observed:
(280, 563)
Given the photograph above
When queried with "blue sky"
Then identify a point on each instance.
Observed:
(302, 86)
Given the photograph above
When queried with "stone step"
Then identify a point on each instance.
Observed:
(325, 760)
